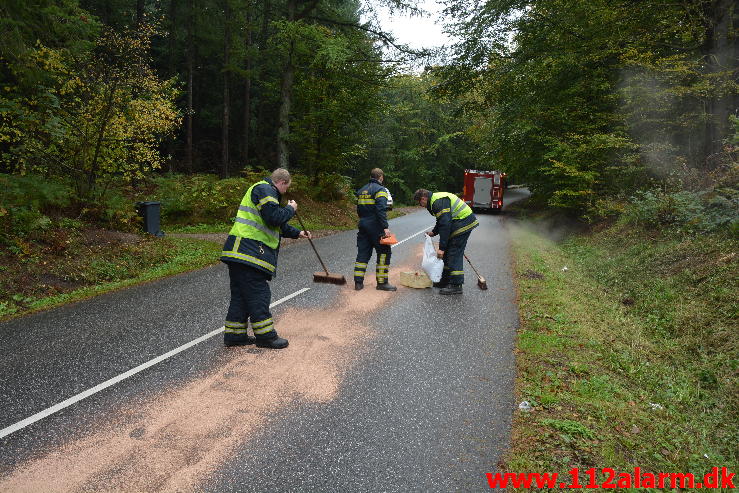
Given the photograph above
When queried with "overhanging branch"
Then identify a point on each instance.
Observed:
(380, 34)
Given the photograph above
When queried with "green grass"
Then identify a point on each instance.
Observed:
(629, 356)
(158, 258)
(200, 228)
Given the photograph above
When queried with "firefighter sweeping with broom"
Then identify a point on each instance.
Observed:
(250, 252)
(373, 227)
(454, 223)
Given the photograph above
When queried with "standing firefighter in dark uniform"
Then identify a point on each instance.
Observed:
(454, 223)
(250, 252)
(371, 208)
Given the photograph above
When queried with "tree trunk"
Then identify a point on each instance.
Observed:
(139, 12)
(286, 88)
(283, 132)
(719, 50)
(262, 153)
(172, 72)
(223, 172)
(190, 77)
(247, 92)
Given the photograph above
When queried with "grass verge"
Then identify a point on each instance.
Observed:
(627, 352)
(86, 269)
(72, 261)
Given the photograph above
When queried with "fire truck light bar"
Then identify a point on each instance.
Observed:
(480, 172)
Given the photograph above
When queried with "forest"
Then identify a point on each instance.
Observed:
(602, 108)
(614, 281)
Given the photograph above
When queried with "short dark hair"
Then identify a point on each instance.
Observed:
(376, 173)
(420, 193)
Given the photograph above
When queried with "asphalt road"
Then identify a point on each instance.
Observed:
(405, 391)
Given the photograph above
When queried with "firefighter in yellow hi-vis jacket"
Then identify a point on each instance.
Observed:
(454, 223)
(251, 252)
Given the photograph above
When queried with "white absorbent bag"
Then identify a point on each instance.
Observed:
(431, 264)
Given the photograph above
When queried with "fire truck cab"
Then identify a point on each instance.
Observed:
(483, 190)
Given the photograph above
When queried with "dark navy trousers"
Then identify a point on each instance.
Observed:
(366, 242)
(454, 259)
(250, 298)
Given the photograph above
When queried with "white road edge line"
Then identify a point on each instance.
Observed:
(94, 390)
(411, 236)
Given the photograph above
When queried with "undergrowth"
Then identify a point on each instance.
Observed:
(627, 351)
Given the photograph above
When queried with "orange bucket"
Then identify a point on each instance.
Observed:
(388, 240)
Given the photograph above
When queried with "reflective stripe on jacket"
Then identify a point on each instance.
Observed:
(372, 207)
(459, 210)
(249, 222)
(254, 239)
(453, 216)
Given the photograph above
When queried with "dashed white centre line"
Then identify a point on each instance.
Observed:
(411, 236)
(94, 390)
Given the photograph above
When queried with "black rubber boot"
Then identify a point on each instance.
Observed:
(441, 284)
(451, 289)
(239, 342)
(358, 286)
(273, 343)
(386, 286)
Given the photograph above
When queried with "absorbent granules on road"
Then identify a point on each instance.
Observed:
(172, 442)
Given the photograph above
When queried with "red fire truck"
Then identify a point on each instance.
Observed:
(483, 190)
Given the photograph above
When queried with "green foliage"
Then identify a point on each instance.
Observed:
(55, 23)
(734, 140)
(570, 429)
(584, 101)
(418, 141)
(26, 202)
(198, 198)
(646, 374)
(96, 116)
(116, 210)
(331, 187)
(205, 199)
(333, 100)
(692, 212)
(33, 192)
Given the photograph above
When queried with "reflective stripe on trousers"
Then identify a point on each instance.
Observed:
(365, 244)
(381, 271)
(250, 298)
(454, 259)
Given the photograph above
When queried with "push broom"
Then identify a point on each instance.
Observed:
(481, 282)
(326, 276)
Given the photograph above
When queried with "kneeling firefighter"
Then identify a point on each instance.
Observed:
(454, 223)
(250, 252)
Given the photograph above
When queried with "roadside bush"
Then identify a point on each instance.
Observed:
(33, 203)
(206, 199)
(691, 212)
(33, 192)
(198, 198)
(330, 186)
(26, 202)
(118, 212)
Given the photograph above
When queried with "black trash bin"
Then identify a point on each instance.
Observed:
(150, 212)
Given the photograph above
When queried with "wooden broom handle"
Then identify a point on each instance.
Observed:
(311, 242)
(473, 267)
